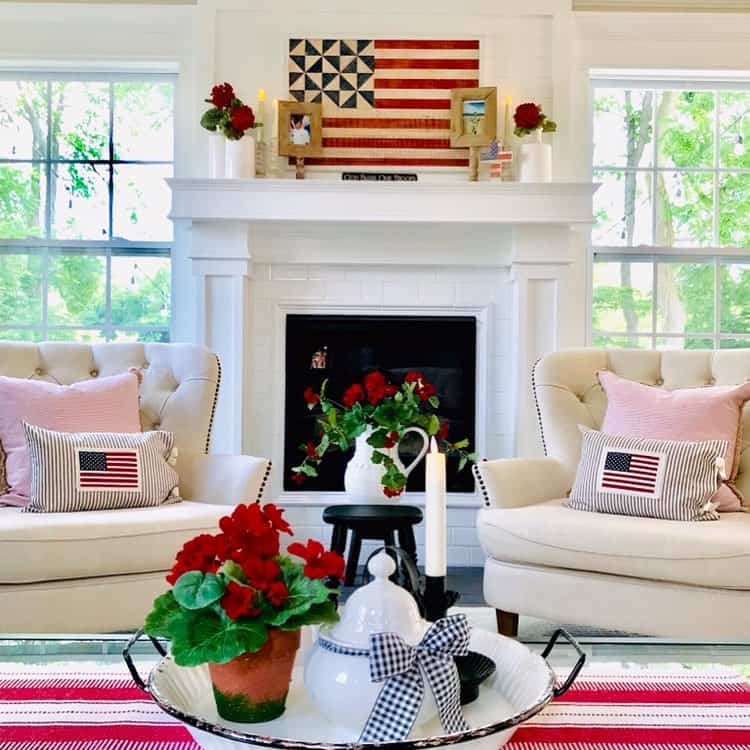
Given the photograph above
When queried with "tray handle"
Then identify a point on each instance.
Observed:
(559, 690)
(129, 659)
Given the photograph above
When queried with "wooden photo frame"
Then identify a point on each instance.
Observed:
(473, 116)
(292, 120)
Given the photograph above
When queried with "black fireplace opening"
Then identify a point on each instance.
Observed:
(342, 349)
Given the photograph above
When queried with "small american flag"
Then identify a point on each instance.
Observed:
(386, 102)
(636, 473)
(108, 469)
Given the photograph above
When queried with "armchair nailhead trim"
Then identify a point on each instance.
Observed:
(213, 405)
(482, 486)
(264, 481)
(536, 406)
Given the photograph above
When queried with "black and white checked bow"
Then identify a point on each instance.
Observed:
(404, 669)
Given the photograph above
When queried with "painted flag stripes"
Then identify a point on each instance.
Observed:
(386, 102)
(636, 472)
(107, 469)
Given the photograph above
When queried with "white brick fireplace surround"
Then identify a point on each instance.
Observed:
(263, 249)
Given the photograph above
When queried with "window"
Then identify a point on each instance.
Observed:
(84, 234)
(671, 238)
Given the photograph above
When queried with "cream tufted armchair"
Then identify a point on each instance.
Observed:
(93, 572)
(653, 577)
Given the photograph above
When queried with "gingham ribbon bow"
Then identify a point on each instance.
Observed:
(405, 668)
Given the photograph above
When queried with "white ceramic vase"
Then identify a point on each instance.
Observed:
(216, 155)
(240, 158)
(362, 478)
(535, 161)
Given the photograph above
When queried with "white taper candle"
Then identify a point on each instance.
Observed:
(435, 507)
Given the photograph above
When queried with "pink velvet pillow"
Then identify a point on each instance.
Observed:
(100, 405)
(712, 413)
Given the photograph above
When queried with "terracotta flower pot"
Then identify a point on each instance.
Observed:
(253, 687)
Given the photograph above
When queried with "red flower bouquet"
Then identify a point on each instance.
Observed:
(388, 410)
(232, 590)
(227, 114)
(529, 117)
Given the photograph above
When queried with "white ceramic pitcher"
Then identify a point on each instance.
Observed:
(362, 478)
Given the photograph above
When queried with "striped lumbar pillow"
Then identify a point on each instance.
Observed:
(669, 479)
(73, 471)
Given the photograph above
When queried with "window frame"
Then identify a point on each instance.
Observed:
(714, 81)
(47, 247)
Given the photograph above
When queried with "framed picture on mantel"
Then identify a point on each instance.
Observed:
(473, 116)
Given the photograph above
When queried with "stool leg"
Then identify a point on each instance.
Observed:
(338, 539)
(355, 547)
(407, 542)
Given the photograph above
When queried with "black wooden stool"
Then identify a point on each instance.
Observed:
(382, 522)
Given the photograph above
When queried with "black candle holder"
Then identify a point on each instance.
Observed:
(437, 599)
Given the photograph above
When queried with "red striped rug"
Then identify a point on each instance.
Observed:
(84, 706)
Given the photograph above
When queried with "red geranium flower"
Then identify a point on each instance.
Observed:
(528, 116)
(443, 431)
(222, 95)
(413, 377)
(391, 439)
(319, 563)
(237, 601)
(277, 593)
(260, 573)
(274, 516)
(242, 118)
(426, 390)
(388, 492)
(377, 387)
(298, 478)
(311, 452)
(310, 396)
(374, 380)
(352, 395)
(197, 554)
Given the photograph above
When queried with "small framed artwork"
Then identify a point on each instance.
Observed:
(473, 116)
(300, 129)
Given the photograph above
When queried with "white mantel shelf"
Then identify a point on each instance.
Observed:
(318, 200)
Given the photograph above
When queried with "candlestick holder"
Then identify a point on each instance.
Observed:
(437, 599)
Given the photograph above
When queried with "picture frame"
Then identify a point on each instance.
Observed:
(473, 116)
(300, 129)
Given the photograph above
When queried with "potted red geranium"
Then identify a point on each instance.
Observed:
(231, 122)
(237, 604)
(374, 416)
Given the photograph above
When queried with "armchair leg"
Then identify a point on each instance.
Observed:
(507, 623)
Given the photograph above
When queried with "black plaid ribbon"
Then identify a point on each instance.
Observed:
(405, 668)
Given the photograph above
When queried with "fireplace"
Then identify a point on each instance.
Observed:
(343, 348)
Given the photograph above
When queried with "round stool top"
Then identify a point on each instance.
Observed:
(395, 513)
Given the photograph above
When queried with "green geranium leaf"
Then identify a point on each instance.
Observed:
(461, 444)
(307, 470)
(378, 438)
(200, 637)
(211, 119)
(304, 593)
(194, 590)
(433, 426)
(233, 571)
(377, 457)
(325, 613)
(462, 462)
(165, 609)
(434, 402)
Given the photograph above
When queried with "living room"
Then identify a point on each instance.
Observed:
(281, 286)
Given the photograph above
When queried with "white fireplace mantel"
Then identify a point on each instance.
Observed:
(540, 235)
(317, 200)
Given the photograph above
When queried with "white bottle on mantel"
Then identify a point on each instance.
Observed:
(535, 160)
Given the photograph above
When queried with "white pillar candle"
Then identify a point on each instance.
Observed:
(435, 507)
(508, 128)
(261, 116)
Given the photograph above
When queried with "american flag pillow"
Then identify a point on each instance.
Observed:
(669, 479)
(73, 471)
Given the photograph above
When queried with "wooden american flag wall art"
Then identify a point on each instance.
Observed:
(386, 102)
